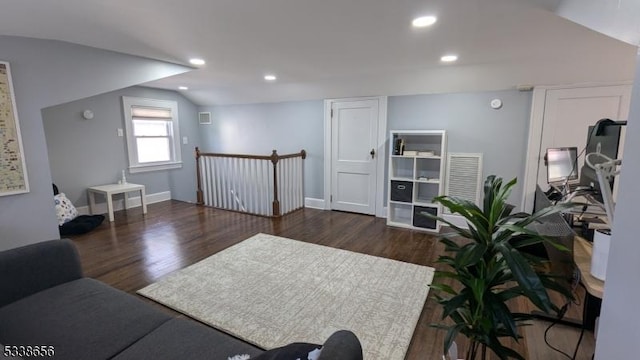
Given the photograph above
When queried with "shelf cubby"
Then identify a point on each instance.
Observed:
(400, 213)
(402, 167)
(425, 192)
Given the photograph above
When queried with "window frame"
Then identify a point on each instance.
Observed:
(128, 102)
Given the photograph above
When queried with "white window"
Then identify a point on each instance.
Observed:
(153, 140)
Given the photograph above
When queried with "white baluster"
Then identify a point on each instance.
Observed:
(225, 184)
(235, 182)
(203, 177)
(245, 184)
(212, 180)
(254, 186)
(285, 188)
(267, 187)
(206, 180)
(300, 182)
(218, 180)
(261, 184)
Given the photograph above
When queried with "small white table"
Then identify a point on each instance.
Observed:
(112, 189)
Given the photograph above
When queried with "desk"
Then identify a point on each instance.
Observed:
(594, 214)
(109, 190)
(582, 250)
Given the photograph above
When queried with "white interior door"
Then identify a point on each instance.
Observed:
(354, 130)
(568, 113)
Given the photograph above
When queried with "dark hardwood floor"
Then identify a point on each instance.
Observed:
(136, 250)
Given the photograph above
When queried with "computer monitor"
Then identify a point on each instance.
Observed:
(562, 165)
(606, 142)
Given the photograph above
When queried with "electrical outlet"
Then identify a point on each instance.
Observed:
(120, 132)
(185, 140)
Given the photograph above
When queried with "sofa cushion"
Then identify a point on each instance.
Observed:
(80, 225)
(293, 351)
(187, 339)
(82, 319)
(29, 269)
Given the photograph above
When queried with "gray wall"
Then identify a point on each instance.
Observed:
(260, 128)
(473, 126)
(47, 73)
(89, 152)
(619, 331)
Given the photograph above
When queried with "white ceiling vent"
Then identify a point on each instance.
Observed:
(464, 176)
(204, 117)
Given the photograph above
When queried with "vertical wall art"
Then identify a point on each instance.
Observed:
(13, 169)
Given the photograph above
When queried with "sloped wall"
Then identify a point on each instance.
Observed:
(47, 73)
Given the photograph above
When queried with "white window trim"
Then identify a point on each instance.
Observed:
(134, 166)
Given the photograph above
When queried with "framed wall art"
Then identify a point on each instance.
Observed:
(13, 168)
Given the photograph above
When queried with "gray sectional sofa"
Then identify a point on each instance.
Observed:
(45, 301)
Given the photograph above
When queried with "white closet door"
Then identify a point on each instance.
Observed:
(561, 118)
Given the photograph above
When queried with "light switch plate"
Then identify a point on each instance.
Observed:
(120, 132)
(185, 140)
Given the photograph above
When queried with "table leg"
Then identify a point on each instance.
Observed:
(92, 202)
(126, 200)
(110, 206)
(591, 310)
(143, 201)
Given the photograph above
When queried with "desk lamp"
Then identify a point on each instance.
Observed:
(605, 169)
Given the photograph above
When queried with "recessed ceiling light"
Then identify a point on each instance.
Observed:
(424, 21)
(270, 77)
(449, 58)
(183, 88)
(196, 61)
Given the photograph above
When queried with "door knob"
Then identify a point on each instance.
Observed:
(373, 153)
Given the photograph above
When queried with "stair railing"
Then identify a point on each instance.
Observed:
(270, 185)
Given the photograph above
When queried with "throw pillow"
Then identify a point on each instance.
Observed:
(65, 211)
(240, 357)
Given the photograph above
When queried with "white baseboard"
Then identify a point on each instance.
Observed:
(456, 220)
(314, 203)
(101, 208)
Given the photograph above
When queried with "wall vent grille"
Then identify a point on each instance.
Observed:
(204, 117)
(464, 176)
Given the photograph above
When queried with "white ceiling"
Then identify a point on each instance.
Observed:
(334, 48)
(618, 19)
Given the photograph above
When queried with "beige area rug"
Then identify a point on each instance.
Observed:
(271, 291)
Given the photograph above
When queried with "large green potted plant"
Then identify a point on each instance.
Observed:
(487, 268)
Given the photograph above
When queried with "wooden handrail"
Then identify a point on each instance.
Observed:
(302, 154)
(274, 158)
(237, 156)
